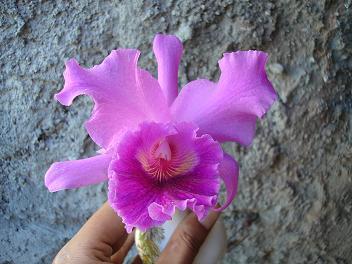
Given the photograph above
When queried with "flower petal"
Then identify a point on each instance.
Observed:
(129, 195)
(168, 51)
(143, 200)
(200, 205)
(197, 189)
(77, 173)
(130, 191)
(124, 95)
(229, 170)
(228, 110)
(161, 213)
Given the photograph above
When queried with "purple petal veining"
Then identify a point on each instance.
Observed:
(158, 184)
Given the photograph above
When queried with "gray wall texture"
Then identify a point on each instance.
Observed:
(295, 198)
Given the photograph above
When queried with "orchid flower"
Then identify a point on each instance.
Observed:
(161, 151)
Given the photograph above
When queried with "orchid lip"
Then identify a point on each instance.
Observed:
(164, 161)
(160, 167)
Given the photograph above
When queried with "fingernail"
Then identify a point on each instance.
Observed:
(210, 219)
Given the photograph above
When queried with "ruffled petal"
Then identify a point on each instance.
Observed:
(124, 95)
(196, 190)
(143, 199)
(199, 204)
(129, 195)
(130, 190)
(161, 213)
(229, 170)
(228, 110)
(77, 173)
(168, 51)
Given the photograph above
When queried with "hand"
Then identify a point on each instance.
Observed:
(103, 239)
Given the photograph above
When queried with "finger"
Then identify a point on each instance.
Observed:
(187, 239)
(105, 226)
(120, 255)
(103, 233)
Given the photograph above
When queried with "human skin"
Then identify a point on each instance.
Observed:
(103, 239)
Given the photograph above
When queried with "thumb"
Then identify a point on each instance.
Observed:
(187, 239)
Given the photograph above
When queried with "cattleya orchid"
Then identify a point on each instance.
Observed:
(161, 151)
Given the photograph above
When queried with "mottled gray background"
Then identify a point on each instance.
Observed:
(295, 198)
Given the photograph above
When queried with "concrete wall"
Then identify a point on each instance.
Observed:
(295, 197)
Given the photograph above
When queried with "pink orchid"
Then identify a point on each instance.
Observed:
(160, 150)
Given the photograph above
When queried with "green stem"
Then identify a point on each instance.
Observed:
(147, 244)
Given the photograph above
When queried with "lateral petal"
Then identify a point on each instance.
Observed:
(228, 110)
(76, 173)
(229, 170)
(124, 95)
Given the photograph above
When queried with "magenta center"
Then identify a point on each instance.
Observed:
(165, 160)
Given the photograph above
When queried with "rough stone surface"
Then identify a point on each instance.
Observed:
(295, 198)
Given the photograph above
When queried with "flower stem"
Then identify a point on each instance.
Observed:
(147, 244)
